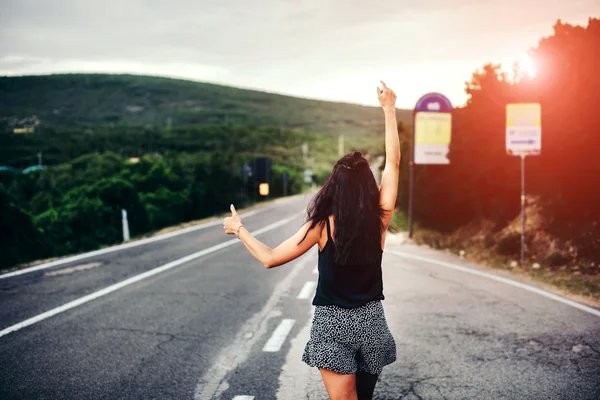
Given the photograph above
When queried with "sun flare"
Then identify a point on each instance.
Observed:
(525, 68)
(526, 65)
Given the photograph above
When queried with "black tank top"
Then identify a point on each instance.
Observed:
(346, 286)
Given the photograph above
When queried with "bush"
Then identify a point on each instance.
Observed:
(20, 240)
(510, 244)
(555, 259)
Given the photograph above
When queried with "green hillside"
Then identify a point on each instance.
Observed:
(93, 100)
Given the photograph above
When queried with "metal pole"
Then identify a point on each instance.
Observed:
(522, 209)
(245, 184)
(411, 183)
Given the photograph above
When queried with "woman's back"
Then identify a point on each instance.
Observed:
(346, 285)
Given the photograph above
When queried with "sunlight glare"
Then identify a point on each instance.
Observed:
(526, 65)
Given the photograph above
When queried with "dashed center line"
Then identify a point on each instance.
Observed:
(279, 334)
(307, 290)
(243, 398)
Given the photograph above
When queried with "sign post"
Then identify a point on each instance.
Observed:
(523, 138)
(285, 177)
(246, 172)
(308, 175)
(432, 127)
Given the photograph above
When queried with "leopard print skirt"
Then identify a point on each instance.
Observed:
(347, 340)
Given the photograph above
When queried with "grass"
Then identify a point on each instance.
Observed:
(582, 285)
(399, 222)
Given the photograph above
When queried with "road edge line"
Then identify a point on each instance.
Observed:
(497, 278)
(136, 278)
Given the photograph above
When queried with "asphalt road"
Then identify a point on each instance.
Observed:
(146, 323)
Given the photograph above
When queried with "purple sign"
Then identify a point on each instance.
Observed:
(433, 102)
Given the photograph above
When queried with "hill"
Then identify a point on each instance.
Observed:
(92, 100)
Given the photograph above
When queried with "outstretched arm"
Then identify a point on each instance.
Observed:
(389, 179)
(282, 254)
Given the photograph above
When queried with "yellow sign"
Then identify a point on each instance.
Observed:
(23, 130)
(524, 114)
(432, 137)
(433, 128)
(263, 189)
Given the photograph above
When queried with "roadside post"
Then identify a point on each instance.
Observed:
(285, 177)
(246, 172)
(125, 225)
(432, 130)
(523, 138)
(308, 175)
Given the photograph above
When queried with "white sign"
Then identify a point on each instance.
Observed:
(434, 106)
(523, 129)
(308, 175)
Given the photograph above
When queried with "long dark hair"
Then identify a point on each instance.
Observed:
(352, 196)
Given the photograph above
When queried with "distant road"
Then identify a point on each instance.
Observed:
(194, 316)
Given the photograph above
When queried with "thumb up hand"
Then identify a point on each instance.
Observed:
(233, 223)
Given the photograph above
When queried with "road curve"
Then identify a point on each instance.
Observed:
(221, 326)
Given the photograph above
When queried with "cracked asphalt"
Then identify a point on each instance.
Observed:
(197, 331)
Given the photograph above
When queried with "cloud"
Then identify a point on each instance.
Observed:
(175, 70)
(277, 45)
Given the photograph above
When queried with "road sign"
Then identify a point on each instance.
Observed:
(432, 137)
(523, 129)
(262, 169)
(246, 171)
(263, 189)
(432, 129)
(304, 150)
(308, 175)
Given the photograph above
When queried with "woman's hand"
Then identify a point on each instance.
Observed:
(233, 223)
(386, 96)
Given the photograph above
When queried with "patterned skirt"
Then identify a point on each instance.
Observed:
(347, 340)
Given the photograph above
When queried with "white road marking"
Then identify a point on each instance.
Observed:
(307, 290)
(297, 380)
(243, 398)
(121, 246)
(80, 267)
(507, 281)
(137, 278)
(279, 334)
(213, 383)
(316, 270)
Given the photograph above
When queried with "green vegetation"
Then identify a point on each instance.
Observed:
(191, 140)
(161, 177)
(101, 100)
(399, 222)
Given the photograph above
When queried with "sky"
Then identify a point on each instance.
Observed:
(323, 49)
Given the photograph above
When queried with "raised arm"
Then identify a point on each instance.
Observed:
(282, 254)
(388, 189)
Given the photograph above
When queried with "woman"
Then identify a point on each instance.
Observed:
(350, 341)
